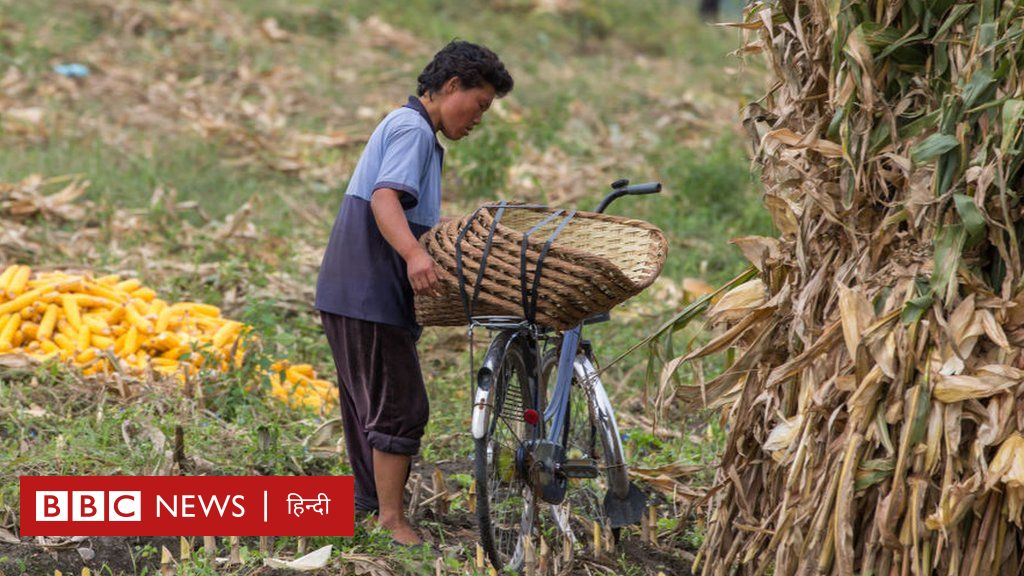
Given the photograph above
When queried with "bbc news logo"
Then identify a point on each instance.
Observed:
(169, 506)
(88, 506)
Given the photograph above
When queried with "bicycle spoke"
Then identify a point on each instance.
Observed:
(510, 429)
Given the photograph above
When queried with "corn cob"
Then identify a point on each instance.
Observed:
(82, 320)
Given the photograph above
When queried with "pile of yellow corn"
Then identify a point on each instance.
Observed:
(104, 324)
(300, 386)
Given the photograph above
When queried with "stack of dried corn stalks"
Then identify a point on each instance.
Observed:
(874, 423)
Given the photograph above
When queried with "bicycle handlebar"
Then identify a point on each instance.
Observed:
(622, 188)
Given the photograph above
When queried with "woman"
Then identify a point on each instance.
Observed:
(374, 264)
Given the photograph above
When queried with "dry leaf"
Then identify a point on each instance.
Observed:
(738, 302)
(315, 560)
(270, 28)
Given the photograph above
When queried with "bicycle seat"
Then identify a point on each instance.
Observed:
(598, 318)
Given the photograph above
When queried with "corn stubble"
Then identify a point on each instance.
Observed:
(874, 423)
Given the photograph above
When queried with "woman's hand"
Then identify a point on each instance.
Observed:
(391, 221)
(422, 274)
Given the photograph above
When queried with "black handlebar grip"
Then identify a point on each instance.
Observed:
(620, 189)
(645, 188)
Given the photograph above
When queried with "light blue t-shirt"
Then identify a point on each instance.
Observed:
(361, 276)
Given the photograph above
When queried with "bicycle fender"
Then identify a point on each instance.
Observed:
(484, 380)
(604, 414)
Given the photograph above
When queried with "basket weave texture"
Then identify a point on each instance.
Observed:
(596, 262)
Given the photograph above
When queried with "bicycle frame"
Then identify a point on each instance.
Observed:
(573, 364)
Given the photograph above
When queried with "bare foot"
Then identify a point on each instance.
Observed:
(401, 530)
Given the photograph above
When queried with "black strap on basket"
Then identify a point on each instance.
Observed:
(529, 296)
(468, 304)
(524, 291)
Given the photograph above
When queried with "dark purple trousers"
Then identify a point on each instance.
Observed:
(383, 399)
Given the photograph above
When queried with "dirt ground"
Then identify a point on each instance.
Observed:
(117, 553)
(141, 555)
(28, 559)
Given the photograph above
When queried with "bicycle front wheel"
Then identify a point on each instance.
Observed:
(567, 527)
(505, 503)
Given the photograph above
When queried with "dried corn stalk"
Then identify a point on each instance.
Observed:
(873, 403)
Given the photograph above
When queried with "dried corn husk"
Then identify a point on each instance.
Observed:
(873, 416)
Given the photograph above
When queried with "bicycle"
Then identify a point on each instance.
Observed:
(531, 439)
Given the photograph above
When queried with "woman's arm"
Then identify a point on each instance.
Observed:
(390, 217)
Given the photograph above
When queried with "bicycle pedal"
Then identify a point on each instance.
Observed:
(579, 468)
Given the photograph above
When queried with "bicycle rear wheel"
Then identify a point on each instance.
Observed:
(506, 507)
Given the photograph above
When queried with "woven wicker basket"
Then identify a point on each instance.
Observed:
(595, 262)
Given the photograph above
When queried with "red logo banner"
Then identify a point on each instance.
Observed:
(187, 505)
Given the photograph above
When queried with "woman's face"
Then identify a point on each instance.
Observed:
(462, 109)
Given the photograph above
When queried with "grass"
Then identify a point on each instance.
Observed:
(619, 89)
(127, 180)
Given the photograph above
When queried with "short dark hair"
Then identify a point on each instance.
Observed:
(473, 64)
